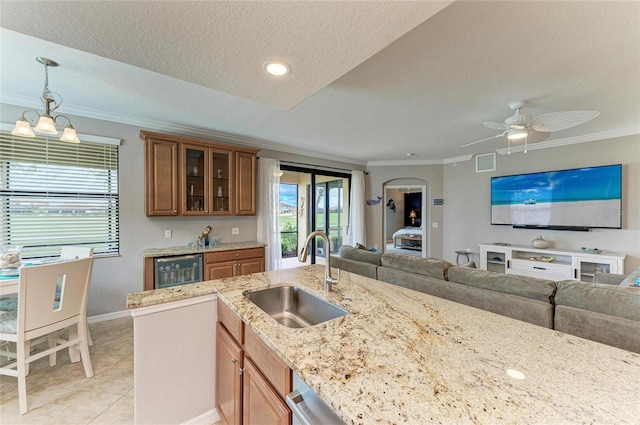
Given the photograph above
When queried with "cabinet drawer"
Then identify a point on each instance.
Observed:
(238, 254)
(274, 369)
(539, 268)
(231, 321)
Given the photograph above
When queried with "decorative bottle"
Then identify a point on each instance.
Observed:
(539, 242)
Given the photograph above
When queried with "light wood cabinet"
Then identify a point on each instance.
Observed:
(246, 183)
(191, 177)
(223, 264)
(161, 178)
(261, 404)
(229, 369)
(264, 377)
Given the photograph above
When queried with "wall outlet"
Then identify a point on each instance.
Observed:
(167, 234)
(235, 230)
(434, 225)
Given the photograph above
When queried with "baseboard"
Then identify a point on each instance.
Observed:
(108, 316)
(207, 418)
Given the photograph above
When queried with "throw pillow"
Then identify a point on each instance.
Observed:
(360, 246)
(632, 279)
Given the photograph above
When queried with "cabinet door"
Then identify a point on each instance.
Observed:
(161, 172)
(221, 270)
(194, 177)
(261, 403)
(494, 259)
(251, 265)
(586, 267)
(222, 181)
(229, 364)
(245, 183)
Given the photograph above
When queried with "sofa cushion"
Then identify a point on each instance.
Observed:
(357, 267)
(355, 254)
(432, 267)
(618, 301)
(632, 279)
(528, 287)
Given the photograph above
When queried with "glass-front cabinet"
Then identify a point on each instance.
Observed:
(194, 176)
(207, 180)
(222, 181)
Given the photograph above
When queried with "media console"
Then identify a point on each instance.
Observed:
(566, 264)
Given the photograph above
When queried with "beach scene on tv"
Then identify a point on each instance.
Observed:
(585, 197)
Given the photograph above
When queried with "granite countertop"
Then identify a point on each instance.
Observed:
(186, 250)
(401, 356)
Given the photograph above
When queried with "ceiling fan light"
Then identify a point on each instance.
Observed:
(46, 126)
(517, 134)
(22, 129)
(70, 135)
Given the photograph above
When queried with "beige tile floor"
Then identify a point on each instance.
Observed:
(63, 395)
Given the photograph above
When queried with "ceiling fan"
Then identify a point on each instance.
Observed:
(532, 130)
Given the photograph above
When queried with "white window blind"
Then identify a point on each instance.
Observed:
(54, 193)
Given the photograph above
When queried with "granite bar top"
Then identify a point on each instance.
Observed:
(185, 250)
(404, 357)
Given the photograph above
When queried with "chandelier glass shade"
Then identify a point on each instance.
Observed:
(46, 123)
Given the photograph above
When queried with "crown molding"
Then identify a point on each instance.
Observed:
(177, 129)
(631, 131)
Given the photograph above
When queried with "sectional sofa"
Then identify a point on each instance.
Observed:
(606, 312)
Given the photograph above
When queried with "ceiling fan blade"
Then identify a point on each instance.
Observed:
(495, 125)
(534, 136)
(483, 140)
(556, 121)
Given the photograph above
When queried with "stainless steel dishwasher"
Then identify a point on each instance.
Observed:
(307, 408)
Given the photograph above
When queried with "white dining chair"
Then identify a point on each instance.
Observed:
(40, 313)
(75, 253)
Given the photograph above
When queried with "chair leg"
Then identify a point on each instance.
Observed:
(84, 352)
(89, 340)
(74, 352)
(22, 352)
(53, 341)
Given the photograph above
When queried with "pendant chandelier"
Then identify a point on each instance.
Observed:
(47, 124)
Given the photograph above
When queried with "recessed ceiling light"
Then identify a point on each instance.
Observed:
(276, 68)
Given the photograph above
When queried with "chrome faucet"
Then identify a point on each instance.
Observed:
(328, 280)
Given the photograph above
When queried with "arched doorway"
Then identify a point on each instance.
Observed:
(406, 217)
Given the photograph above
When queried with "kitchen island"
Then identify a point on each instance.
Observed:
(401, 356)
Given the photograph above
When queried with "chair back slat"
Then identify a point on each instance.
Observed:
(38, 298)
(75, 252)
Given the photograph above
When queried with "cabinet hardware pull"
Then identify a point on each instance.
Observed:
(539, 268)
(240, 371)
(234, 360)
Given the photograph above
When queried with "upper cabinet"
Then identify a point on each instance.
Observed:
(191, 177)
(161, 177)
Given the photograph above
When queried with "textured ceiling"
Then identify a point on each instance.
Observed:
(370, 81)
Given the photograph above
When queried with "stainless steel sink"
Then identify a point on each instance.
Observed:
(294, 307)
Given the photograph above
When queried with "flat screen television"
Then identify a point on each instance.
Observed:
(576, 199)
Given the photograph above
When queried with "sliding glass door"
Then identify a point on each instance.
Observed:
(312, 200)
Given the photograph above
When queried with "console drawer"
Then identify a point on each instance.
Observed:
(541, 269)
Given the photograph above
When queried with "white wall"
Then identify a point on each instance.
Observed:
(411, 175)
(395, 220)
(467, 199)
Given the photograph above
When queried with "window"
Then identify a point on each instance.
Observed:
(54, 193)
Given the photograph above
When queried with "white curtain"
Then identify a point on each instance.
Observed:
(356, 232)
(269, 210)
